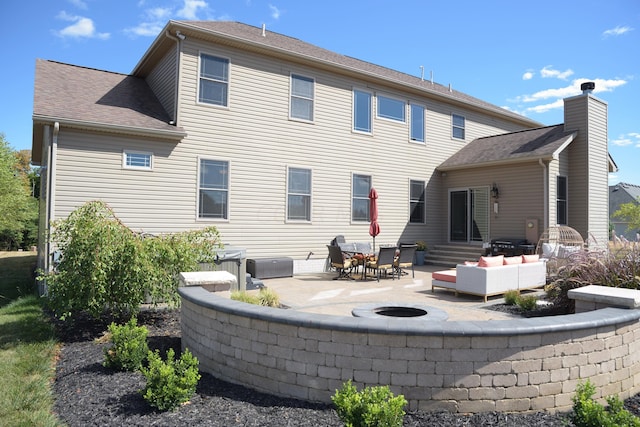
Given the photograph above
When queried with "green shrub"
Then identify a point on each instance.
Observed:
(527, 302)
(129, 348)
(589, 413)
(105, 265)
(265, 296)
(371, 407)
(245, 297)
(170, 383)
(511, 297)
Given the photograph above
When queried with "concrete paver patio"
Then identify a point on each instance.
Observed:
(319, 293)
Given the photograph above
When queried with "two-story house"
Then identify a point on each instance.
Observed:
(277, 142)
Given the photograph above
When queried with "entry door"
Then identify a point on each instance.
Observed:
(469, 215)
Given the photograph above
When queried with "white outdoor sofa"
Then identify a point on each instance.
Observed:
(492, 280)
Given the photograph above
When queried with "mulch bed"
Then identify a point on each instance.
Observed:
(86, 393)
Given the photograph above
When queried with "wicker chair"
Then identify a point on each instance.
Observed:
(384, 261)
(405, 259)
(343, 265)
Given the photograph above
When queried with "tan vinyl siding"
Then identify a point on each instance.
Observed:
(598, 177)
(162, 81)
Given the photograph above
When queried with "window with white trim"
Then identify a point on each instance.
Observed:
(417, 123)
(137, 160)
(299, 194)
(360, 187)
(361, 111)
(214, 80)
(561, 200)
(416, 202)
(391, 108)
(213, 189)
(302, 96)
(458, 126)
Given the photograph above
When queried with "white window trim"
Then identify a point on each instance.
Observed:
(125, 153)
(199, 78)
(286, 214)
(353, 174)
(463, 128)
(313, 100)
(353, 110)
(424, 123)
(394, 98)
(218, 220)
(424, 211)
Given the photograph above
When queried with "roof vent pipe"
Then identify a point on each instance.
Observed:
(587, 87)
(264, 30)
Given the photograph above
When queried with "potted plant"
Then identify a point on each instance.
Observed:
(421, 248)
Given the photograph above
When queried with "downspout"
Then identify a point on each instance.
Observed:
(176, 92)
(545, 179)
(53, 154)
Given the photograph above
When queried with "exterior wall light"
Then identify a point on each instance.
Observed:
(495, 193)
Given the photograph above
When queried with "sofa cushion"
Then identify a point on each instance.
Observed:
(491, 261)
(474, 263)
(510, 260)
(530, 258)
(445, 276)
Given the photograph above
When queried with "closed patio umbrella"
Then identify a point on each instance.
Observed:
(374, 228)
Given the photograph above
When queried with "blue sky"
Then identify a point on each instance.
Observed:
(524, 56)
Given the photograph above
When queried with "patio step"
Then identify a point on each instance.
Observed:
(450, 255)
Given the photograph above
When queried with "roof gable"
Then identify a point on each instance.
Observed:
(527, 145)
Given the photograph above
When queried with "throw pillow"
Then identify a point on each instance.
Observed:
(530, 258)
(511, 260)
(491, 261)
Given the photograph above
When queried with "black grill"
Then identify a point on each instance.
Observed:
(511, 247)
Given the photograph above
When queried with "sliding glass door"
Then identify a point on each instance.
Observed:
(469, 215)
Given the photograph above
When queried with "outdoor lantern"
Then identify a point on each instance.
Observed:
(495, 193)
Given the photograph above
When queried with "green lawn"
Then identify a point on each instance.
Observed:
(27, 347)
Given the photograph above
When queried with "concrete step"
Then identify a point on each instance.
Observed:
(450, 255)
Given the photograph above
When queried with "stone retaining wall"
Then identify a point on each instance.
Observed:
(500, 365)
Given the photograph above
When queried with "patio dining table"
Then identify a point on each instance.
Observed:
(360, 251)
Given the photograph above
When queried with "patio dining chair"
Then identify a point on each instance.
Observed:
(343, 264)
(384, 261)
(405, 260)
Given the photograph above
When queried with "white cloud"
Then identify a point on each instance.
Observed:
(548, 72)
(528, 75)
(79, 4)
(82, 27)
(617, 31)
(543, 108)
(159, 13)
(190, 8)
(145, 29)
(275, 12)
(632, 138)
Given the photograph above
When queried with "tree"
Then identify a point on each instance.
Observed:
(18, 210)
(630, 212)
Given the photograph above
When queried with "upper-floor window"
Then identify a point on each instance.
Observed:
(137, 160)
(299, 194)
(302, 95)
(361, 111)
(390, 108)
(416, 202)
(214, 80)
(561, 200)
(417, 123)
(458, 126)
(213, 185)
(361, 186)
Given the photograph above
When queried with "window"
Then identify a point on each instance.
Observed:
(417, 123)
(136, 160)
(213, 189)
(416, 202)
(392, 109)
(361, 111)
(360, 197)
(561, 200)
(299, 194)
(214, 80)
(458, 126)
(302, 97)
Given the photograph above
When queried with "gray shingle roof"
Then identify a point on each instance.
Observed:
(527, 145)
(237, 32)
(93, 97)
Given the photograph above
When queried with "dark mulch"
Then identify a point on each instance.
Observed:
(86, 393)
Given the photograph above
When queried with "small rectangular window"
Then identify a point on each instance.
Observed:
(561, 200)
(361, 111)
(416, 202)
(302, 94)
(214, 80)
(458, 126)
(137, 160)
(213, 184)
(299, 194)
(360, 198)
(392, 109)
(417, 123)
